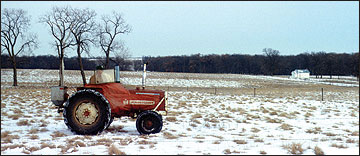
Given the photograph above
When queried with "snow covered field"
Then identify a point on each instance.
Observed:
(285, 117)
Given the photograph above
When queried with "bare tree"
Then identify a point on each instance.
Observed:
(272, 60)
(121, 56)
(60, 23)
(83, 26)
(14, 40)
(111, 27)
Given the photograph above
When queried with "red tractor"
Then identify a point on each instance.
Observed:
(95, 105)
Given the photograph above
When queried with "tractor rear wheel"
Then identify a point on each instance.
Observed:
(111, 120)
(149, 122)
(87, 112)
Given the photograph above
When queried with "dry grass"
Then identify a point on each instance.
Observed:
(33, 131)
(329, 134)
(5, 147)
(350, 141)
(285, 126)
(44, 145)
(355, 133)
(103, 141)
(23, 122)
(315, 130)
(338, 146)
(171, 119)
(294, 148)
(34, 137)
(58, 134)
(240, 141)
(262, 152)
(275, 120)
(32, 149)
(168, 135)
(255, 130)
(318, 151)
(259, 140)
(6, 137)
(197, 115)
(14, 116)
(144, 142)
(227, 151)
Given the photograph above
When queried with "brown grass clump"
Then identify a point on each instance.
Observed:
(197, 115)
(196, 121)
(58, 134)
(318, 151)
(5, 147)
(7, 138)
(273, 113)
(240, 141)
(23, 123)
(199, 137)
(33, 131)
(350, 141)
(227, 151)
(275, 120)
(144, 142)
(14, 116)
(255, 130)
(285, 126)
(17, 111)
(308, 114)
(329, 134)
(125, 141)
(338, 146)
(43, 130)
(104, 141)
(171, 119)
(262, 152)
(34, 137)
(44, 145)
(168, 135)
(259, 140)
(32, 149)
(216, 142)
(79, 144)
(315, 130)
(5, 134)
(355, 133)
(294, 148)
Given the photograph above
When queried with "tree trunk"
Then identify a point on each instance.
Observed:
(81, 65)
(61, 71)
(14, 72)
(107, 60)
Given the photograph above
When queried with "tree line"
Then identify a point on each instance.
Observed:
(270, 63)
(318, 63)
(71, 63)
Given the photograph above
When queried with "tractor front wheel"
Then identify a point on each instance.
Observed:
(149, 122)
(87, 112)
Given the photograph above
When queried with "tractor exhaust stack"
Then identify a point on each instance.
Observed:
(144, 77)
(117, 74)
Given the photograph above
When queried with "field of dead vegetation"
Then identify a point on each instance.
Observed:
(208, 114)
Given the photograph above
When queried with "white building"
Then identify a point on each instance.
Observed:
(300, 74)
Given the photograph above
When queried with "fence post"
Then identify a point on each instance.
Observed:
(322, 94)
(254, 92)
